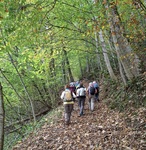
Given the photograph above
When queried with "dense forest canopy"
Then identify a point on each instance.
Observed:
(45, 44)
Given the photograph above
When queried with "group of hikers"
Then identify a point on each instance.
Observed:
(77, 91)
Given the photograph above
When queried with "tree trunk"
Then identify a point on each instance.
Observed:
(106, 59)
(22, 82)
(63, 72)
(139, 4)
(52, 67)
(98, 55)
(1, 119)
(128, 59)
(80, 64)
(87, 64)
(52, 60)
(121, 72)
(19, 96)
(68, 65)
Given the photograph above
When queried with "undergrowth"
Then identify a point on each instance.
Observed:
(122, 97)
(24, 131)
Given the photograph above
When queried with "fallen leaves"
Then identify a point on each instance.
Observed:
(102, 129)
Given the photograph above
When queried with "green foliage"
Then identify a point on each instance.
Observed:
(25, 130)
(33, 35)
(133, 95)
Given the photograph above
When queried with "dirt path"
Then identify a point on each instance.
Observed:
(103, 129)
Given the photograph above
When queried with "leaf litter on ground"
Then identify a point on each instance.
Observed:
(102, 129)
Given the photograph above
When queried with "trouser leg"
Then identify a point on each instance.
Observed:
(96, 96)
(66, 115)
(79, 102)
(66, 118)
(82, 106)
(92, 103)
(89, 103)
(71, 109)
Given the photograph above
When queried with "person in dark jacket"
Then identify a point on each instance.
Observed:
(96, 86)
(91, 94)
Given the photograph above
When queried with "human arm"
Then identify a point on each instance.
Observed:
(62, 95)
(78, 92)
(73, 94)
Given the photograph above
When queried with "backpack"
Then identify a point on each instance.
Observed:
(82, 92)
(92, 90)
(95, 85)
(68, 95)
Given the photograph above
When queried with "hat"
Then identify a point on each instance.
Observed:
(90, 84)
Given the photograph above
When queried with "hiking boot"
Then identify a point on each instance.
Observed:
(81, 115)
(66, 122)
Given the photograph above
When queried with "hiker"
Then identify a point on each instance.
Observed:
(72, 87)
(96, 86)
(91, 94)
(81, 96)
(78, 84)
(67, 97)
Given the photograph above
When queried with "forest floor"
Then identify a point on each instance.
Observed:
(102, 129)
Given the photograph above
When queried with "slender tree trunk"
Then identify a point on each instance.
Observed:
(63, 72)
(88, 69)
(80, 65)
(21, 98)
(52, 61)
(52, 67)
(1, 119)
(117, 48)
(39, 91)
(68, 65)
(10, 105)
(31, 103)
(121, 72)
(139, 4)
(119, 64)
(98, 55)
(106, 59)
(87, 64)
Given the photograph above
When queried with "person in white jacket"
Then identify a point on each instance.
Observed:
(67, 97)
(81, 96)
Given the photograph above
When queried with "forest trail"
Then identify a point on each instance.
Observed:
(102, 129)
